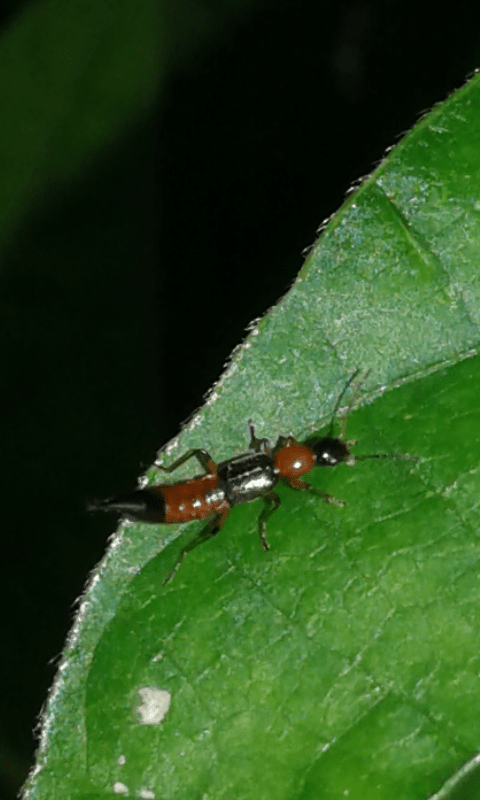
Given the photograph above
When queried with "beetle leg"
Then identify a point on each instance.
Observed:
(208, 532)
(296, 483)
(272, 502)
(258, 445)
(202, 456)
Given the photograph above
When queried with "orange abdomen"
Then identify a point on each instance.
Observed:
(194, 499)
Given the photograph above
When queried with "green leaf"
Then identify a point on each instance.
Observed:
(345, 661)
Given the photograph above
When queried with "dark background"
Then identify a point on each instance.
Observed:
(186, 231)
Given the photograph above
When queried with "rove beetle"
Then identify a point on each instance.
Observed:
(240, 479)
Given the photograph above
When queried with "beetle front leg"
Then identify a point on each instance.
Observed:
(296, 483)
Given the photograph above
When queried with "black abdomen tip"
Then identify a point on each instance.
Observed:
(144, 505)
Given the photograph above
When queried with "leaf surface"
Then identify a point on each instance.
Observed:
(345, 660)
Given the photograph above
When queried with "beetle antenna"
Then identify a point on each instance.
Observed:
(351, 404)
(389, 457)
(353, 400)
(341, 437)
(339, 400)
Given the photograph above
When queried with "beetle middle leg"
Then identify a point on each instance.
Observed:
(208, 532)
(272, 502)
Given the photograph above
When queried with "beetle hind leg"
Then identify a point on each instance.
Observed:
(207, 533)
